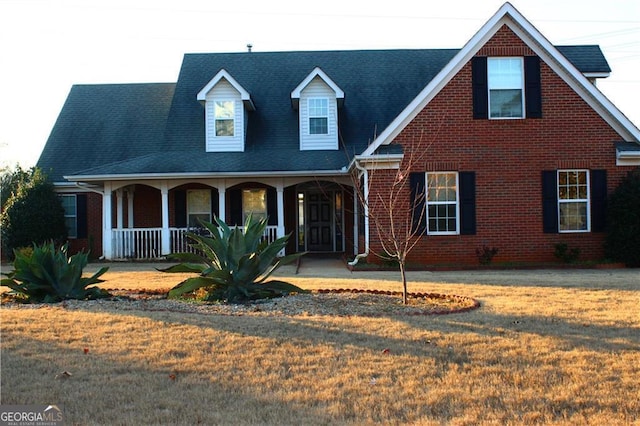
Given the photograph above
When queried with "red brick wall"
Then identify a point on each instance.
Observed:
(508, 157)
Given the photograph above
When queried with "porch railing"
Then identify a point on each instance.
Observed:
(137, 243)
(146, 243)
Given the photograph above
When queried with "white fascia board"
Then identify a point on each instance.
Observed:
(627, 158)
(378, 162)
(317, 72)
(597, 74)
(508, 15)
(244, 95)
(199, 175)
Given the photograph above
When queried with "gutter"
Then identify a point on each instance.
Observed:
(200, 175)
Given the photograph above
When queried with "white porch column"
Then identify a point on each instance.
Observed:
(165, 235)
(130, 192)
(119, 208)
(107, 237)
(280, 192)
(222, 206)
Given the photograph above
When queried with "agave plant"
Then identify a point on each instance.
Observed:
(47, 274)
(233, 264)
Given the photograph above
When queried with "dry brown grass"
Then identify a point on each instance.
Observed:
(550, 347)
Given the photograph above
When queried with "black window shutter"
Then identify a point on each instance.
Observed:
(215, 205)
(235, 207)
(598, 200)
(418, 202)
(467, 203)
(272, 206)
(81, 216)
(550, 201)
(180, 207)
(480, 87)
(532, 87)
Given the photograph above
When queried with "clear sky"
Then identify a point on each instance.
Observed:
(46, 46)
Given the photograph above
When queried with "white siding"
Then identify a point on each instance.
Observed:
(224, 91)
(318, 89)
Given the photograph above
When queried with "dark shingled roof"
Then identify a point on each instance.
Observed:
(132, 129)
(103, 124)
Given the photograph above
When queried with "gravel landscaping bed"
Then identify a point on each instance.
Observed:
(344, 302)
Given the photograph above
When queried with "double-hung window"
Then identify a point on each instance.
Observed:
(224, 112)
(573, 200)
(505, 78)
(70, 214)
(254, 202)
(318, 116)
(198, 206)
(442, 203)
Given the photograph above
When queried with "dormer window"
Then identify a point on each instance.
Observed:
(317, 99)
(226, 104)
(318, 116)
(506, 87)
(224, 112)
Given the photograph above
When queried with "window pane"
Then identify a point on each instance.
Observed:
(318, 126)
(506, 103)
(318, 107)
(573, 216)
(505, 73)
(224, 109)
(224, 128)
(254, 201)
(194, 219)
(199, 201)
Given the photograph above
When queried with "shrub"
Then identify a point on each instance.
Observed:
(486, 254)
(33, 214)
(233, 265)
(622, 243)
(566, 254)
(48, 275)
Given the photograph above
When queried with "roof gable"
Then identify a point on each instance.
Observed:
(509, 16)
(224, 75)
(317, 72)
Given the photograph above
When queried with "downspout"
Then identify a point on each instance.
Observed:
(365, 204)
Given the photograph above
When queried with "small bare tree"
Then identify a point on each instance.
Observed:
(395, 209)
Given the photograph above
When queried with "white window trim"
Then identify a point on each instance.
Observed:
(524, 112)
(215, 119)
(75, 216)
(577, 200)
(428, 203)
(309, 116)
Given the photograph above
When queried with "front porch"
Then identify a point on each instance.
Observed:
(147, 220)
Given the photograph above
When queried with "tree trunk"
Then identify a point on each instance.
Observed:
(403, 274)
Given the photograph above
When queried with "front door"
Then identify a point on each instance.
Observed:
(320, 222)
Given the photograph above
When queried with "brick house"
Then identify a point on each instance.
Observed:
(516, 148)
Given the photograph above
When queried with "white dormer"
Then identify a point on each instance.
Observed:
(225, 102)
(317, 98)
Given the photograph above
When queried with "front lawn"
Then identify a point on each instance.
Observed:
(545, 347)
